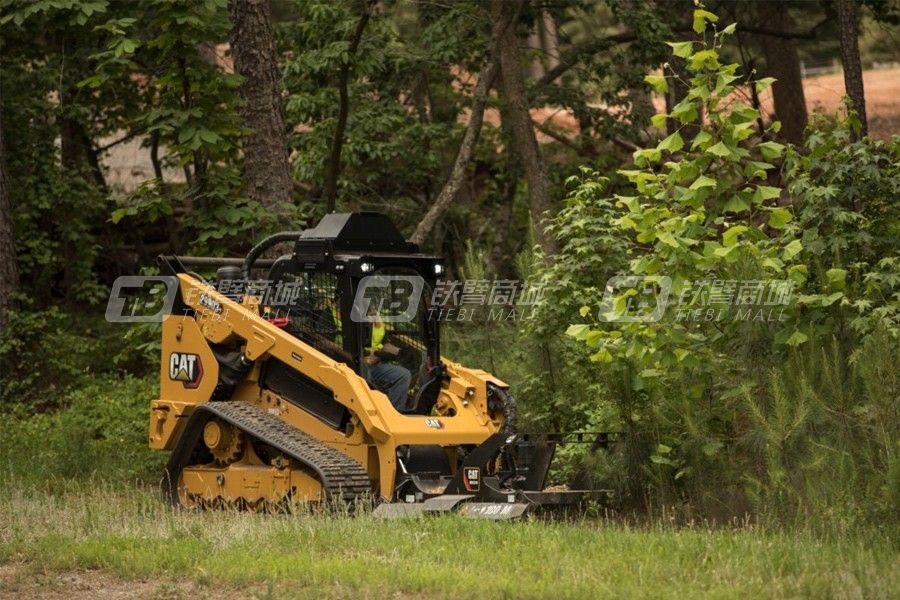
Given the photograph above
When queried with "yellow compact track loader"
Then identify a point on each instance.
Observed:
(323, 382)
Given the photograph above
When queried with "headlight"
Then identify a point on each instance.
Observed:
(438, 269)
(366, 267)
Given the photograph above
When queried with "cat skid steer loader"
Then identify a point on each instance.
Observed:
(270, 393)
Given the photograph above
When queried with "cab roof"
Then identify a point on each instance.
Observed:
(363, 232)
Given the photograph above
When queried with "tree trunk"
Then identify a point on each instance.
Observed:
(77, 151)
(514, 95)
(337, 144)
(154, 156)
(9, 272)
(783, 63)
(503, 247)
(466, 149)
(853, 79)
(267, 168)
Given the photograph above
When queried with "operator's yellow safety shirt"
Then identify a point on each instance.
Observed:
(378, 332)
(338, 326)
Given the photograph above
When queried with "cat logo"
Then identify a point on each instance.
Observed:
(472, 478)
(185, 368)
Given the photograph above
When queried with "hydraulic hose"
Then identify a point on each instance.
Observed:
(508, 406)
(257, 250)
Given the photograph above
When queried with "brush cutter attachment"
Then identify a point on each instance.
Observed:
(502, 478)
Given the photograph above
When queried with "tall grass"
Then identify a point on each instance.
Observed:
(100, 430)
(128, 532)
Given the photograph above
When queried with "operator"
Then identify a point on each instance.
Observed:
(392, 379)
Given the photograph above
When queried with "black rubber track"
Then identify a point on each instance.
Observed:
(343, 479)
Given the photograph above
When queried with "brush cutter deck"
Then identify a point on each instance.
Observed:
(502, 478)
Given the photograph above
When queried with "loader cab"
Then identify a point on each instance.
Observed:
(350, 275)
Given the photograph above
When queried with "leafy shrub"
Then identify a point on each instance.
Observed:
(848, 219)
(794, 418)
(100, 431)
(48, 352)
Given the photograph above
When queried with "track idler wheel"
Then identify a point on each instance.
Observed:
(225, 441)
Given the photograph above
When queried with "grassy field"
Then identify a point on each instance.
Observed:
(62, 537)
(105, 541)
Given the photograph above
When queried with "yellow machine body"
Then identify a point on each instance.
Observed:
(372, 436)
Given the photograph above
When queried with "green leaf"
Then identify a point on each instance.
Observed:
(118, 215)
(186, 134)
(730, 29)
(723, 81)
(837, 278)
(682, 49)
(797, 338)
(701, 138)
(731, 234)
(771, 150)
(666, 237)
(594, 338)
(763, 84)
(741, 112)
(704, 58)
(629, 202)
(584, 311)
(659, 120)
(755, 168)
(772, 263)
(602, 355)
(709, 248)
(646, 156)
(724, 252)
(208, 136)
(663, 449)
(743, 130)
(578, 331)
(779, 217)
(685, 111)
(658, 82)
(765, 192)
(737, 203)
(719, 149)
(672, 143)
(702, 182)
(792, 250)
(797, 274)
(700, 19)
(831, 298)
